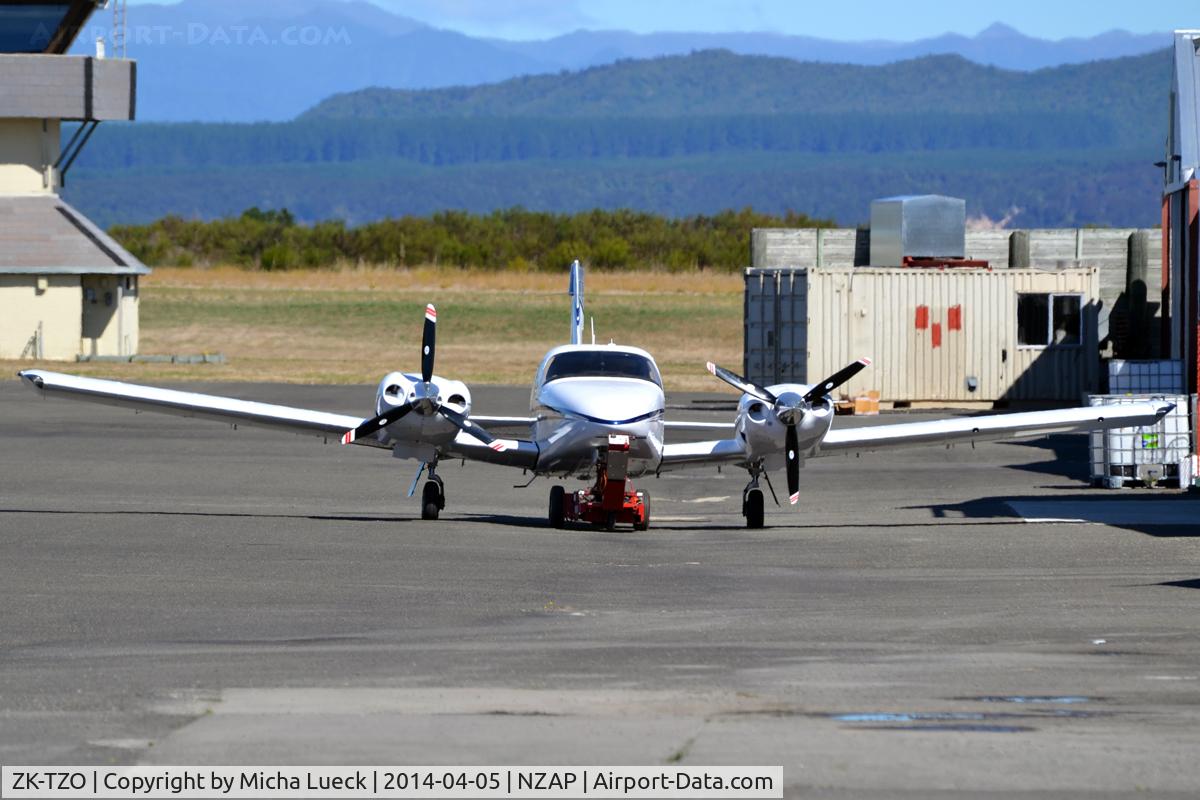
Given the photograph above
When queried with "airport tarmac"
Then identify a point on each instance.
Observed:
(174, 591)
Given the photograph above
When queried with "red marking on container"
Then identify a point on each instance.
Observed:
(954, 318)
(936, 335)
(922, 317)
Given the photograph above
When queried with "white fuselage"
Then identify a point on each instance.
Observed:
(585, 393)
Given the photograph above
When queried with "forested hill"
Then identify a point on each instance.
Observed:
(679, 136)
(720, 82)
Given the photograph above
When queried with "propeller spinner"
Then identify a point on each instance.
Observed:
(790, 409)
(427, 402)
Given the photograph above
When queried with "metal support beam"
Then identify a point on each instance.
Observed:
(62, 174)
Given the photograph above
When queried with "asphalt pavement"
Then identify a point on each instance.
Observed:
(925, 622)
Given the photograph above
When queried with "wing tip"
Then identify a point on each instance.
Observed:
(32, 377)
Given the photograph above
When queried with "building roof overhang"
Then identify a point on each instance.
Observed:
(44, 235)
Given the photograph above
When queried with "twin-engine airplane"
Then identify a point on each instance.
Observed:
(597, 413)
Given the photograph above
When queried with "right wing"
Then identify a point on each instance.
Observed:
(991, 427)
(506, 452)
(321, 424)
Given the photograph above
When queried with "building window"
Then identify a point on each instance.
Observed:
(1045, 320)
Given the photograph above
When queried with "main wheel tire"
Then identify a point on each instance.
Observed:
(752, 508)
(644, 525)
(558, 504)
(431, 500)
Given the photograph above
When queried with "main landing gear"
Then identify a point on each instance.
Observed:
(612, 500)
(433, 495)
(752, 501)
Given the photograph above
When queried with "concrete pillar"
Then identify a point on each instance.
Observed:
(1018, 250)
(1137, 277)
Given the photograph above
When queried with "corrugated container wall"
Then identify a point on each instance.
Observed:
(949, 335)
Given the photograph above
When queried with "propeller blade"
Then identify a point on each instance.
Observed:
(738, 382)
(473, 429)
(835, 380)
(367, 427)
(427, 342)
(793, 464)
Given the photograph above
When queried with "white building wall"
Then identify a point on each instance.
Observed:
(110, 315)
(23, 305)
(28, 147)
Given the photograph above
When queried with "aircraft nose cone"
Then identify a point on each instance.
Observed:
(790, 399)
(602, 399)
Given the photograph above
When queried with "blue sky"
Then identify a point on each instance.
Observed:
(846, 20)
(851, 20)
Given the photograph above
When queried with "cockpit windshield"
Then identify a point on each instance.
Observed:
(602, 364)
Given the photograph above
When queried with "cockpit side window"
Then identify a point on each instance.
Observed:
(602, 364)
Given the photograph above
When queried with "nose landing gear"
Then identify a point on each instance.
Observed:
(433, 496)
(612, 500)
(752, 501)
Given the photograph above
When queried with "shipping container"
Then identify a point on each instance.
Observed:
(1146, 454)
(933, 334)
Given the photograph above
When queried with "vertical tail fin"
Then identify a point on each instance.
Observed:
(576, 290)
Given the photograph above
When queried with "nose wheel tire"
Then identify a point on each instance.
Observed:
(558, 499)
(432, 500)
(752, 508)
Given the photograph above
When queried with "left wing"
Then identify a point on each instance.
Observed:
(681, 425)
(989, 427)
(321, 424)
(720, 451)
(994, 426)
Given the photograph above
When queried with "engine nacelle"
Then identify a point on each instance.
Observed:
(398, 388)
(764, 432)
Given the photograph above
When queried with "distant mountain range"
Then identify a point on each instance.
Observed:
(250, 60)
(720, 82)
(687, 134)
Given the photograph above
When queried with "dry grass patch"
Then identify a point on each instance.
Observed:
(353, 325)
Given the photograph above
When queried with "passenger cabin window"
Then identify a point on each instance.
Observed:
(1045, 320)
(602, 364)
